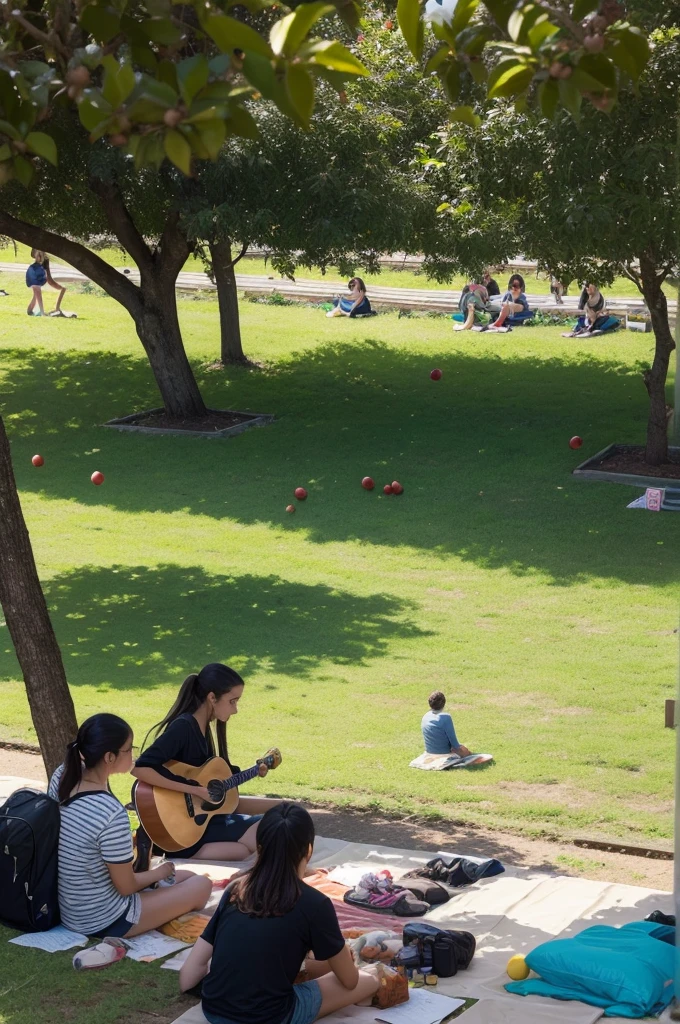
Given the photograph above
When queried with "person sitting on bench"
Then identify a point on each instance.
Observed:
(438, 731)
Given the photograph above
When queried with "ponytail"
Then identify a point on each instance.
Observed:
(214, 678)
(272, 887)
(97, 736)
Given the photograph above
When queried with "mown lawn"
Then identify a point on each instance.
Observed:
(387, 278)
(543, 607)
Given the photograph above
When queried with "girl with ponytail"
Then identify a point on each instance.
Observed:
(266, 924)
(99, 893)
(186, 735)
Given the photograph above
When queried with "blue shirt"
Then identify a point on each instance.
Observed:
(36, 275)
(520, 299)
(438, 732)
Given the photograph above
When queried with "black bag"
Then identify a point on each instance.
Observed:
(444, 950)
(427, 890)
(29, 840)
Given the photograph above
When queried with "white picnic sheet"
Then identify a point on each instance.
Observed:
(510, 913)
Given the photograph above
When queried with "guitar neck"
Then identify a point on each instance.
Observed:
(241, 777)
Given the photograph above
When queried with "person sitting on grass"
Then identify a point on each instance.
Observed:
(354, 304)
(514, 301)
(438, 731)
(268, 921)
(473, 300)
(593, 308)
(99, 891)
(490, 284)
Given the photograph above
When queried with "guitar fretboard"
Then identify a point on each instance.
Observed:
(240, 777)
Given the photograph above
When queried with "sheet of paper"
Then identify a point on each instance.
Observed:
(175, 962)
(53, 941)
(152, 945)
(423, 1007)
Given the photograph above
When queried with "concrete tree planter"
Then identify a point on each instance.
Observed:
(246, 420)
(594, 468)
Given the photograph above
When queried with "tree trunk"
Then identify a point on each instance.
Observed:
(227, 297)
(656, 451)
(28, 621)
(159, 332)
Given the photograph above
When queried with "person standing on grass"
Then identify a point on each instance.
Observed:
(36, 278)
(438, 731)
(99, 892)
(266, 925)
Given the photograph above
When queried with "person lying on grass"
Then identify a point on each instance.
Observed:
(264, 928)
(438, 731)
(514, 301)
(99, 893)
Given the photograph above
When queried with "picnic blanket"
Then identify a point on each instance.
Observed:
(442, 762)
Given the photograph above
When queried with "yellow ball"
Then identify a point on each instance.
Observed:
(517, 968)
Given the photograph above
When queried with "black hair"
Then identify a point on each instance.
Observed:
(214, 678)
(436, 700)
(99, 735)
(357, 280)
(273, 887)
(516, 277)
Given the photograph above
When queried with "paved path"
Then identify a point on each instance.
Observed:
(322, 291)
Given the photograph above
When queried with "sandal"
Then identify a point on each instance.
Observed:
(108, 952)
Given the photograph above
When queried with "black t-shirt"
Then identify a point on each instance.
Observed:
(492, 287)
(256, 959)
(181, 741)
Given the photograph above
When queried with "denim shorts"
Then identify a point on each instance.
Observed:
(117, 929)
(306, 1009)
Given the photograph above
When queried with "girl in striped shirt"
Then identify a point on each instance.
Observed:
(99, 893)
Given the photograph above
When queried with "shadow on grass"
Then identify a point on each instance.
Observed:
(483, 454)
(134, 626)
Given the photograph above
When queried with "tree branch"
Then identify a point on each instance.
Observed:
(173, 247)
(563, 19)
(632, 275)
(121, 223)
(79, 256)
(51, 42)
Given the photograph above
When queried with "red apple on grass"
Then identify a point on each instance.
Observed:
(368, 483)
(387, 489)
(97, 478)
(300, 493)
(38, 460)
(397, 488)
(290, 508)
(436, 375)
(575, 442)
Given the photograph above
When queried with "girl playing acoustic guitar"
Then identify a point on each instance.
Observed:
(185, 735)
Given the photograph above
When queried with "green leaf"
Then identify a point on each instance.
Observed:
(598, 67)
(8, 129)
(102, 22)
(466, 115)
(464, 11)
(411, 25)
(287, 34)
(510, 77)
(147, 111)
(212, 134)
(144, 57)
(167, 73)
(23, 170)
(474, 38)
(437, 58)
(93, 109)
(5, 152)
(549, 97)
(477, 69)
(570, 97)
(242, 123)
(161, 31)
(192, 75)
(630, 51)
(539, 32)
(113, 86)
(582, 8)
(43, 146)
(332, 55)
(230, 34)
(443, 207)
(450, 77)
(260, 73)
(500, 11)
(300, 88)
(178, 150)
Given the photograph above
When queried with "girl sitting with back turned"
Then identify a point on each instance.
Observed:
(266, 924)
(99, 893)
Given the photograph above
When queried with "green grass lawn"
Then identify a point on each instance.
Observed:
(387, 278)
(543, 608)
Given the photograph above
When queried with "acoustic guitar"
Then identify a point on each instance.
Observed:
(175, 821)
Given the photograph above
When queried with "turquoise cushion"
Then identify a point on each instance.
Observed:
(627, 971)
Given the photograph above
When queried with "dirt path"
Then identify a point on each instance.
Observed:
(366, 827)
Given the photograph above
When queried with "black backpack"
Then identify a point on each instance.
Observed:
(29, 840)
(444, 950)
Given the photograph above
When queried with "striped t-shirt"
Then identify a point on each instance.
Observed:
(94, 832)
